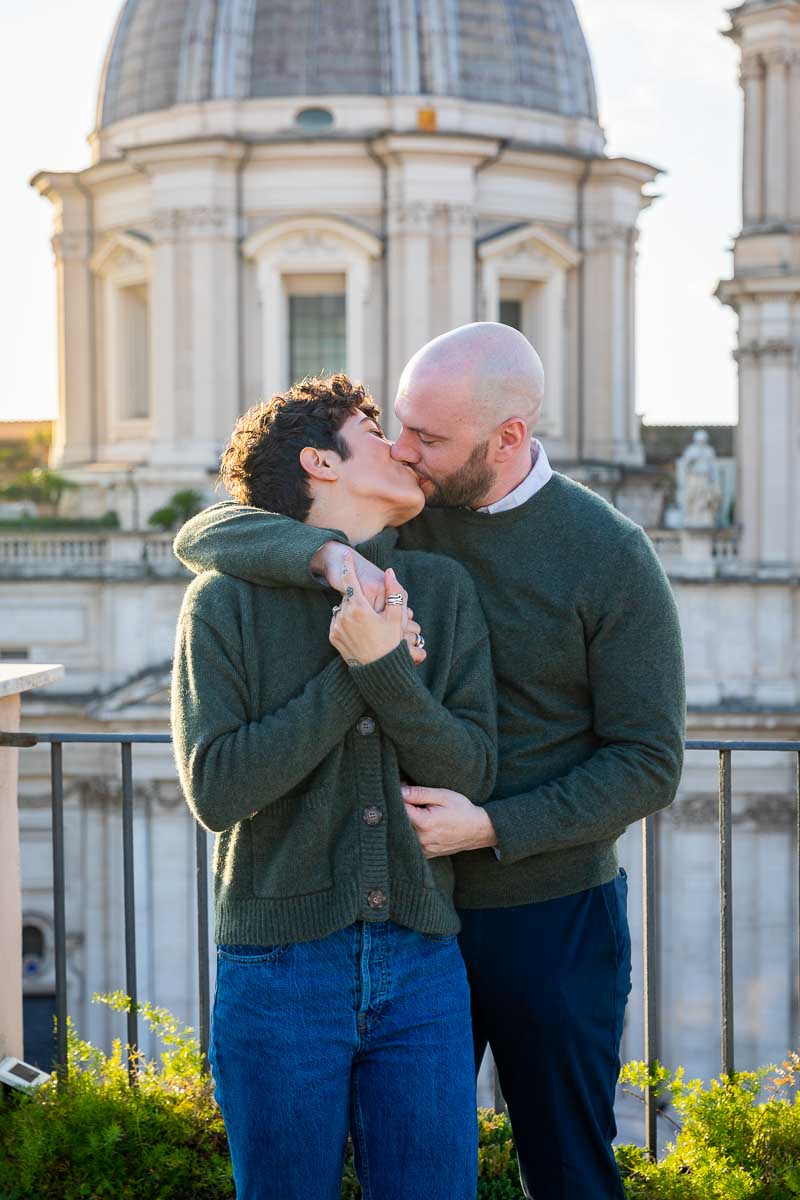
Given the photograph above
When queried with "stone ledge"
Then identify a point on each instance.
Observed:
(23, 677)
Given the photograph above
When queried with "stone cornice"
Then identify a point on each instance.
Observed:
(759, 287)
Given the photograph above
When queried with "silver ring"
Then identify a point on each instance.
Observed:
(336, 608)
(395, 598)
(419, 642)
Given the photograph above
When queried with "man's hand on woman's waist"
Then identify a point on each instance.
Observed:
(446, 822)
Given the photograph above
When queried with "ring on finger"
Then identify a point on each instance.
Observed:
(419, 642)
(396, 598)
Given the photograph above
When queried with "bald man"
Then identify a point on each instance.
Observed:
(589, 668)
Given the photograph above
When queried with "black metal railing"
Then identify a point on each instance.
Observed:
(126, 741)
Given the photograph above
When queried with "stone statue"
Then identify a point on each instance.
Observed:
(699, 490)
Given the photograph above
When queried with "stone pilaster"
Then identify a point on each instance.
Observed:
(409, 229)
(752, 82)
(608, 349)
(164, 309)
(212, 253)
(76, 427)
(777, 135)
(461, 258)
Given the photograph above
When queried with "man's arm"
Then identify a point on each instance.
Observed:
(229, 765)
(636, 671)
(267, 549)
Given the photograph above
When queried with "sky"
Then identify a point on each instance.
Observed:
(668, 94)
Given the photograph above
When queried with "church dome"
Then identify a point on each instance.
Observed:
(528, 53)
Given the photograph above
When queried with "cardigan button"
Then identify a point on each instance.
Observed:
(372, 815)
(376, 898)
(366, 726)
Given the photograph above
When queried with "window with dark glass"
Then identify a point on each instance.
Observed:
(317, 337)
(511, 313)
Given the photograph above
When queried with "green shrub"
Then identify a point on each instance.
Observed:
(177, 511)
(109, 520)
(39, 484)
(97, 1138)
(731, 1144)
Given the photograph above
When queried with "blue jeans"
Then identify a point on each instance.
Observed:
(549, 986)
(367, 1031)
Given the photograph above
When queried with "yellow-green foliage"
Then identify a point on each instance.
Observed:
(97, 1137)
(732, 1144)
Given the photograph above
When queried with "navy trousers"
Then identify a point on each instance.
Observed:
(549, 985)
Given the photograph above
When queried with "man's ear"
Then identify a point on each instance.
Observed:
(512, 434)
(320, 464)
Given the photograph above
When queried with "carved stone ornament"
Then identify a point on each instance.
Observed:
(411, 218)
(202, 221)
(614, 237)
(70, 245)
(461, 218)
(310, 244)
(752, 68)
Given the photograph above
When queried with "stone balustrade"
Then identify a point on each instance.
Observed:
(106, 554)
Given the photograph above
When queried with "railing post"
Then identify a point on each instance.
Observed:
(650, 969)
(15, 678)
(201, 858)
(726, 910)
(59, 907)
(796, 1032)
(129, 904)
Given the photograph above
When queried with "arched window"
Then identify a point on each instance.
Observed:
(314, 276)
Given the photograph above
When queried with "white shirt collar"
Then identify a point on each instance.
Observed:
(540, 473)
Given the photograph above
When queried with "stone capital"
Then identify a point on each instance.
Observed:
(608, 236)
(461, 218)
(70, 246)
(416, 217)
(751, 70)
(171, 224)
(778, 56)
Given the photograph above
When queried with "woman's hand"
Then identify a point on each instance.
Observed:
(362, 635)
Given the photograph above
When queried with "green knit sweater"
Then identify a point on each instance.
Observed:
(295, 759)
(588, 662)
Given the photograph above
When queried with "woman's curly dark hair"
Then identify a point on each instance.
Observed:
(261, 465)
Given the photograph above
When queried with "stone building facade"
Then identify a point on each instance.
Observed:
(247, 216)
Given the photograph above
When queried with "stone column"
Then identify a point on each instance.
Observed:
(461, 264)
(409, 283)
(357, 288)
(169, 399)
(794, 139)
(15, 678)
(607, 351)
(752, 81)
(748, 454)
(211, 237)
(777, 135)
(75, 431)
(274, 330)
(779, 454)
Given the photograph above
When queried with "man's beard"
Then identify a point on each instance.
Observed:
(465, 487)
